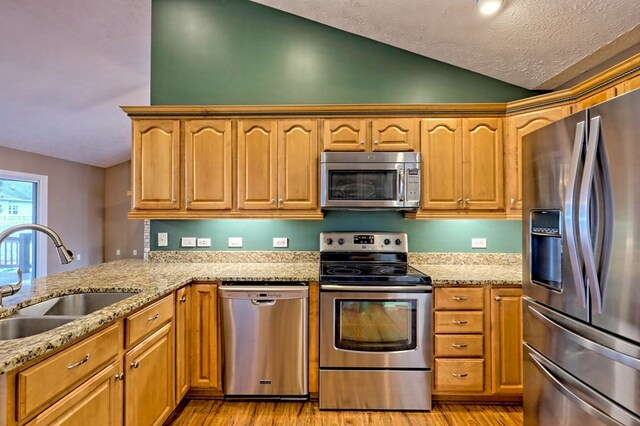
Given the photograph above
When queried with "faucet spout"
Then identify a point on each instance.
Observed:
(65, 255)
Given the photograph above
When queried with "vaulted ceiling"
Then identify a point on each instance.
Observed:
(68, 64)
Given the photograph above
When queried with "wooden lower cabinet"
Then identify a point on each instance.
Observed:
(506, 340)
(97, 402)
(149, 379)
(204, 348)
(182, 327)
(478, 346)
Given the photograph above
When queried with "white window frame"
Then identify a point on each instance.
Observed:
(42, 190)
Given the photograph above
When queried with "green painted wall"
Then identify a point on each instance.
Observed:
(238, 52)
(224, 52)
(503, 236)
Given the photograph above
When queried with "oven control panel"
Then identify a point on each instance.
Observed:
(395, 242)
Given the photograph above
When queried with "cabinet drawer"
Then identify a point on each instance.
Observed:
(458, 298)
(459, 345)
(148, 320)
(40, 384)
(459, 322)
(459, 375)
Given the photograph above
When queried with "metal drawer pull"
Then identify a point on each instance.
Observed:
(135, 364)
(459, 322)
(155, 317)
(183, 299)
(120, 376)
(459, 375)
(459, 298)
(459, 345)
(498, 298)
(82, 361)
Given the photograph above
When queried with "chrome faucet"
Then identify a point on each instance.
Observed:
(65, 254)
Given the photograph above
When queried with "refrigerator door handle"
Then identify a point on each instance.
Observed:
(569, 219)
(590, 344)
(566, 384)
(583, 215)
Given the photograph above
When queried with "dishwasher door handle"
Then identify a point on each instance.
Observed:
(268, 302)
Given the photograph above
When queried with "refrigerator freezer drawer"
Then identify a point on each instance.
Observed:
(554, 397)
(609, 365)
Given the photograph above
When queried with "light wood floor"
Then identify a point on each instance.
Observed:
(218, 412)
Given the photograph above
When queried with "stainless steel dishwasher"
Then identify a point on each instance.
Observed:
(265, 335)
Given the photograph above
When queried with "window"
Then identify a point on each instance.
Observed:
(22, 200)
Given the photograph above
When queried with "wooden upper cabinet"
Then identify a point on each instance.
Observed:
(298, 164)
(596, 98)
(441, 147)
(207, 162)
(385, 134)
(345, 135)
(517, 127)
(155, 158)
(394, 134)
(482, 166)
(628, 85)
(257, 164)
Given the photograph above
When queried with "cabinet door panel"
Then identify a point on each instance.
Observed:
(257, 180)
(149, 379)
(506, 340)
(97, 402)
(394, 134)
(298, 164)
(208, 164)
(517, 127)
(204, 336)
(155, 158)
(441, 146)
(182, 322)
(345, 135)
(482, 163)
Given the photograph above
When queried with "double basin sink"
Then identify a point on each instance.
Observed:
(52, 313)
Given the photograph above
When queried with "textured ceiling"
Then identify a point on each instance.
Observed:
(528, 43)
(66, 65)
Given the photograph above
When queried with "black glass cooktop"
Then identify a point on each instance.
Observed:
(353, 272)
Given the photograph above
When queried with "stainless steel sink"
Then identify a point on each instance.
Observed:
(74, 304)
(16, 327)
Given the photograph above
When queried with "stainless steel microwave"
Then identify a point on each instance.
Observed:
(378, 180)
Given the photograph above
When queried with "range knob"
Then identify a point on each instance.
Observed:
(387, 241)
(398, 241)
(329, 241)
(341, 241)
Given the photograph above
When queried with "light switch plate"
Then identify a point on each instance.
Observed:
(204, 242)
(280, 242)
(163, 239)
(479, 243)
(234, 242)
(188, 242)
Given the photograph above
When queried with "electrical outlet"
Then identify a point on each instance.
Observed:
(118, 252)
(163, 239)
(188, 241)
(135, 252)
(479, 243)
(234, 242)
(78, 256)
(204, 242)
(281, 242)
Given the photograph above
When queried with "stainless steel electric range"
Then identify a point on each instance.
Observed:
(375, 324)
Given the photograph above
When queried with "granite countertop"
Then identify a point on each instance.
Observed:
(152, 280)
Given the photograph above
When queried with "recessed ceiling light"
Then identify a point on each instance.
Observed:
(489, 7)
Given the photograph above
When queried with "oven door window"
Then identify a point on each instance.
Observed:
(375, 325)
(363, 185)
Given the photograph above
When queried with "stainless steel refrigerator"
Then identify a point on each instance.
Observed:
(581, 268)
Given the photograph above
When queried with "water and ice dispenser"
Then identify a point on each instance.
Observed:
(546, 248)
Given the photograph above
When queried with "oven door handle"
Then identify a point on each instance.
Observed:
(378, 288)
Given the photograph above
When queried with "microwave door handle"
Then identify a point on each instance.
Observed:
(401, 185)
